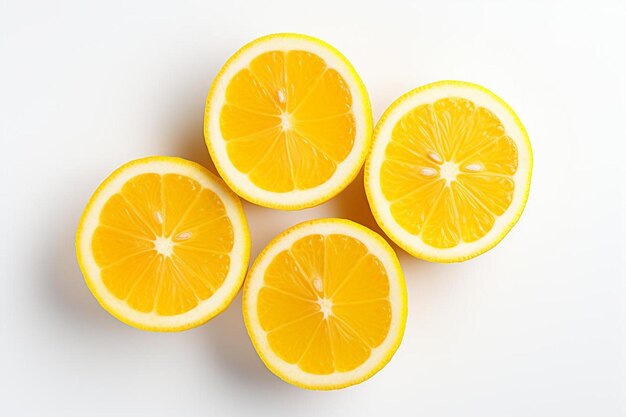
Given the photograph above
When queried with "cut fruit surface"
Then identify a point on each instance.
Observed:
(288, 121)
(449, 172)
(325, 304)
(163, 244)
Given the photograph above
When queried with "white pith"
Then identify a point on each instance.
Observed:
(480, 97)
(238, 180)
(397, 296)
(164, 246)
(238, 255)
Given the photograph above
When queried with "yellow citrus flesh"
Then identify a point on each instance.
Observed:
(282, 117)
(159, 243)
(456, 164)
(163, 243)
(448, 169)
(329, 306)
(287, 120)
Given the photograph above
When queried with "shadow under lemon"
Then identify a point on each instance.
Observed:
(233, 351)
(63, 290)
(352, 204)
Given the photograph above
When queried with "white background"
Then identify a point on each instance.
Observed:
(535, 327)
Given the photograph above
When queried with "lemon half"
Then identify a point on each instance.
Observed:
(288, 122)
(325, 304)
(163, 244)
(449, 172)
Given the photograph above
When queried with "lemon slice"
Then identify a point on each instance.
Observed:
(288, 122)
(449, 173)
(325, 304)
(163, 244)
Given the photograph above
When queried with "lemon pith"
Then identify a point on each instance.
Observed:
(288, 121)
(325, 304)
(449, 172)
(163, 244)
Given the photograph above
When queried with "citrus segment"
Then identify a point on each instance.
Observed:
(163, 244)
(325, 304)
